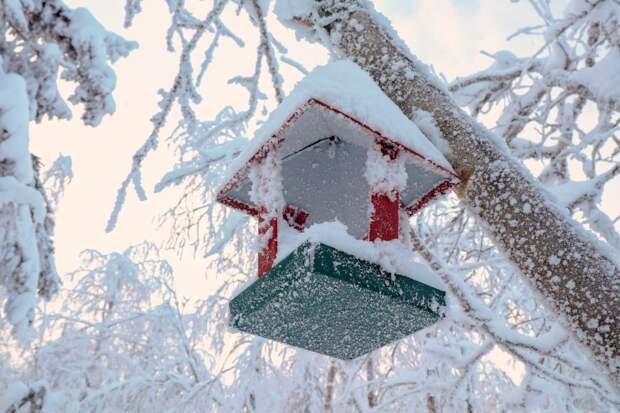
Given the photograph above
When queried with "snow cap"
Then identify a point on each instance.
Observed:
(338, 101)
(347, 88)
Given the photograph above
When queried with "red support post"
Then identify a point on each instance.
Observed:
(267, 255)
(384, 219)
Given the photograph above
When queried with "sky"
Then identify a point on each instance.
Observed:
(449, 34)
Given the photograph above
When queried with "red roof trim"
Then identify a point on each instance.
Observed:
(440, 189)
(452, 179)
(241, 206)
(241, 173)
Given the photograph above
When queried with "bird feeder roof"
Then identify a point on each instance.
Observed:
(339, 100)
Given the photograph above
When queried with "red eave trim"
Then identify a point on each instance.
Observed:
(242, 172)
(276, 138)
(241, 206)
(440, 189)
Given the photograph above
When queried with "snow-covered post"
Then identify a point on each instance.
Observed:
(577, 279)
(267, 195)
(386, 176)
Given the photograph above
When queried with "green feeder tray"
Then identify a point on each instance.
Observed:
(330, 302)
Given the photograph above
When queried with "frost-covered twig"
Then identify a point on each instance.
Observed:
(516, 344)
(183, 84)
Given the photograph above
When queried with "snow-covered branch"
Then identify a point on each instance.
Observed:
(42, 40)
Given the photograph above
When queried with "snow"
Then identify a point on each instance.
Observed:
(19, 308)
(603, 79)
(602, 11)
(266, 178)
(383, 174)
(90, 37)
(392, 256)
(568, 192)
(22, 206)
(505, 62)
(347, 88)
(288, 10)
(424, 120)
(545, 342)
(554, 260)
(57, 42)
(13, 191)
(291, 12)
(14, 147)
(14, 118)
(134, 379)
(12, 394)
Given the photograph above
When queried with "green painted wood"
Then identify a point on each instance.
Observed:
(330, 302)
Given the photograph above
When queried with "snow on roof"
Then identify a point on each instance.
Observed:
(343, 86)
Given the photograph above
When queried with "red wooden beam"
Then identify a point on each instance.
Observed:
(267, 228)
(440, 189)
(384, 219)
(295, 217)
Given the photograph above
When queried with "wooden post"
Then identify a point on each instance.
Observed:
(268, 234)
(384, 219)
(267, 196)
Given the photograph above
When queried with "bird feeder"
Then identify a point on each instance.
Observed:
(337, 150)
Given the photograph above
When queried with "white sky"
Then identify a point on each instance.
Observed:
(449, 34)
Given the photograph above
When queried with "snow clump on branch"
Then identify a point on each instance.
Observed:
(21, 207)
(41, 37)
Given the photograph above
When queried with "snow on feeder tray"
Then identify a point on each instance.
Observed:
(336, 150)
